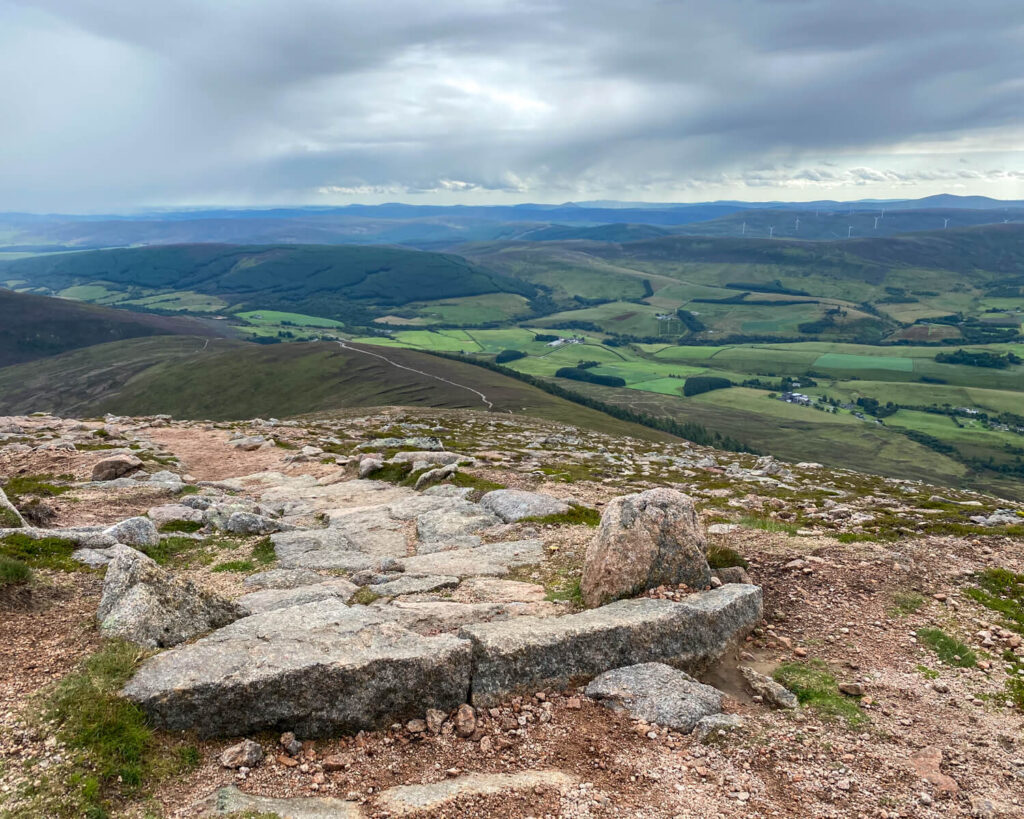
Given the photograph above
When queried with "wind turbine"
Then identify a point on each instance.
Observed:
(744, 229)
(876, 221)
(771, 233)
(849, 232)
(945, 223)
(797, 223)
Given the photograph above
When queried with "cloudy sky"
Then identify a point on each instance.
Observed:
(127, 103)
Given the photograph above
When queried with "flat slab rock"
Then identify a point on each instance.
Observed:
(317, 669)
(515, 504)
(528, 653)
(231, 801)
(409, 800)
(658, 694)
(492, 559)
(270, 599)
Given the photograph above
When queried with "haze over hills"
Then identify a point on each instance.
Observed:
(432, 226)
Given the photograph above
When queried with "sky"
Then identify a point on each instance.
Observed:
(122, 104)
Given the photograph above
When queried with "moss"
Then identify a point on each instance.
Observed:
(576, 516)
(8, 519)
(816, 688)
(926, 672)
(188, 489)
(392, 472)
(363, 597)
(44, 553)
(569, 592)
(949, 650)
(1002, 591)
(722, 557)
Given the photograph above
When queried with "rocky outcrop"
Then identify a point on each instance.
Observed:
(134, 532)
(317, 669)
(172, 512)
(657, 694)
(146, 604)
(528, 654)
(515, 504)
(116, 466)
(646, 540)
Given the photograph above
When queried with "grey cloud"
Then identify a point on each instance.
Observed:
(118, 103)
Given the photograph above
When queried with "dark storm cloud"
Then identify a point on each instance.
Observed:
(115, 102)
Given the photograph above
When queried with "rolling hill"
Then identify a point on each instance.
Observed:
(33, 327)
(225, 380)
(338, 282)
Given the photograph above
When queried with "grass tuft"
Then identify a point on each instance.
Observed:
(949, 650)
(13, 572)
(576, 516)
(234, 566)
(722, 557)
(816, 688)
(767, 524)
(40, 486)
(186, 526)
(906, 603)
(475, 482)
(263, 552)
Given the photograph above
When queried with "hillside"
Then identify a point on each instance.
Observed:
(229, 380)
(33, 327)
(329, 281)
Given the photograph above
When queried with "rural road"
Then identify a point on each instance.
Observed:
(483, 397)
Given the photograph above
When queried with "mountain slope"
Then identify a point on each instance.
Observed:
(229, 380)
(33, 327)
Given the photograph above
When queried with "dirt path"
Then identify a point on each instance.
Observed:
(483, 397)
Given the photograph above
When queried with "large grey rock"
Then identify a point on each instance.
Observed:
(714, 725)
(148, 605)
(456, 523)
(356, 540)
(319, 669)
(116, 466)
(435, 476)
(162, 515)
(270, 599)
(97, 558)
(247, 523)
(428, 457)
(657, 693)
(427, 443)
(412, 584)
(646, 540)
(529, 653)
(230, 801)
(494, 559)
(436, 798)
(134, 532)
(431, 617)
(10, 518)
(515, 504)
(283, 579)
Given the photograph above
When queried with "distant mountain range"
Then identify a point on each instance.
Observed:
(440, 227)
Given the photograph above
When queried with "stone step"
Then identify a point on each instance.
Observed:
(528, 654)
(318, 669)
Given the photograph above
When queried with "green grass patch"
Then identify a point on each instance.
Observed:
(475, 482)
(392, 472)
(1002, 591)
(767, 524)
(40, 486)
(234, 566)
(816, 688)
(44, 553)
(188, 489)
(364, 596)
(948, 649)
(13, 572)
(569, 592)
(722, 557)
(114, 754)
(906, 603)
(8, 519)
(263, 552)
(175, 550)
(926, 672)
(188, 526)
(576, 516)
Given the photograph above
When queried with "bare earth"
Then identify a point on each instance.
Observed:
(838, 607)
